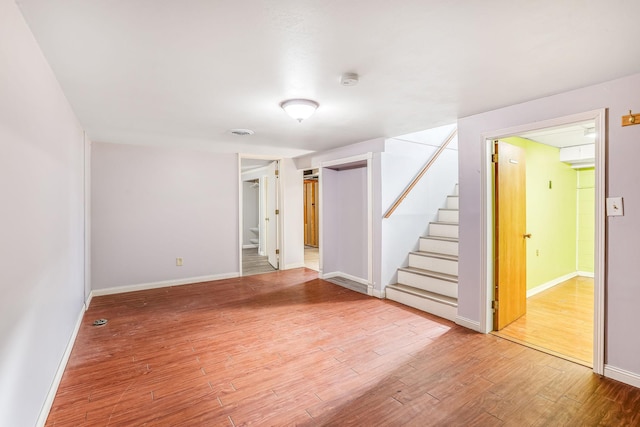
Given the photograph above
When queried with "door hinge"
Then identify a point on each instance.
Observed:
(494, 305)
(277, 251)
(494, 158)
(277, 172)
(277, 211)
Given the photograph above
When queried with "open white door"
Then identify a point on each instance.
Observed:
(271, 214)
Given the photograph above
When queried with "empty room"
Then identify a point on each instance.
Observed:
(301, 213)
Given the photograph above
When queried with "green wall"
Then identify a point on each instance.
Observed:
(551, 213)
(586, 219)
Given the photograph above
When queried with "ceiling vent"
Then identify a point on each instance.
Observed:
(242, 132)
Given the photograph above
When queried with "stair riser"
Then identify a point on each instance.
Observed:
(443, 230)
(448, 215)
(434, 264)
(452, 202)
(430, 284)
(438, 246)
(424, 304)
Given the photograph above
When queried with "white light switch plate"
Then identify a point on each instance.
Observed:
(614, 206)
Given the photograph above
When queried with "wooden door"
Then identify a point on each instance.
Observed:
(510, 234)
(311, 212)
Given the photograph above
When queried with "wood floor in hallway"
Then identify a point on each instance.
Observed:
(559, 320)
(286, 348)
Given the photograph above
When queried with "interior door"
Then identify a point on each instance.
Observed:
(271, 215)
(510, 234)
(311, 212)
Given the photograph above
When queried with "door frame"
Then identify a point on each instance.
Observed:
(240, 208)
(487, 233)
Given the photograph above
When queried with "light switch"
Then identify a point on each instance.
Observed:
(614, 206)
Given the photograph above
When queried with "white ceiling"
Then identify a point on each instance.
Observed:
(184, 72)
(565, 135)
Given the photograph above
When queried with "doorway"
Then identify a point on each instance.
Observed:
(546, 264)
(311, 209)
(259, 216)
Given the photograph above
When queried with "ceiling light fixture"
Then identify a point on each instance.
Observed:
(590, 132)
(299, 109)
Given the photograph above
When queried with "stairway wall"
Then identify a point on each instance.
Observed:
(400, 163)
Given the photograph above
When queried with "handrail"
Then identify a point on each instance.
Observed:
(424, 169)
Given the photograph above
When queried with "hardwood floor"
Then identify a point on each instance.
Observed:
(286, 348)
(312, 258)
(253, 263)
(559, 320)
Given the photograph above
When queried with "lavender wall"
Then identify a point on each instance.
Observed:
(623, 233)
(42, 216)
(344, 222)
(152, 205)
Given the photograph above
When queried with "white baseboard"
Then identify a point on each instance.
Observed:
(87, 303)
(378, 293)
(252, 246)
(163, 284)
(292, 266)
(346, 276)
(622, 375)
(468, 323)
(586, 274)
(46, 406)
(550, 284)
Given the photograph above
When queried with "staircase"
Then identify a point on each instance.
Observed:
(430, 282)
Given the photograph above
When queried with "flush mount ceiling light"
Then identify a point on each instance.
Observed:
(299, 109)
(590, 132)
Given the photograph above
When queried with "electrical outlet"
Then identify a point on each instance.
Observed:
(179, 262)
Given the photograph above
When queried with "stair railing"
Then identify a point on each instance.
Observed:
(420, 174)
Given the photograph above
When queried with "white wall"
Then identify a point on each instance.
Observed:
(42, 216)
(401, 162)
(250, 212)
(291, 187)
(623, 233)
(344, 222)
(152, 205)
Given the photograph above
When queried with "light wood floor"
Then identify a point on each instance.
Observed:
(559, 320)
(312, 258)
(286, 348)
(253, 263)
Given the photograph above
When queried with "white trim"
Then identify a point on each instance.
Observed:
(87, 303)
(377, 293)
(163, 284)
(48, 402)
(468, 323)
(550, 284)
(622, 375)
(486, 292)
(251, 246)
(586, 274)
(346, 276)
(346, 160)
(292, 266)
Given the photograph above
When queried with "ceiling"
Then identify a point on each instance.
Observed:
(185, 72)
(580, 133)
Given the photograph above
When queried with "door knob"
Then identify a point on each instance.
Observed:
(527, 236)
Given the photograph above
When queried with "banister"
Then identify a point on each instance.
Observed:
(424, 170)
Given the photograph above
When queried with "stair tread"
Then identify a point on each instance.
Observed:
(444, 222)
(448, 209)
(446, 239)
(425, 294)
(430, 273)
(435, 255)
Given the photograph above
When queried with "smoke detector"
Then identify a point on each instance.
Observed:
(242, 132)
(349, 79)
